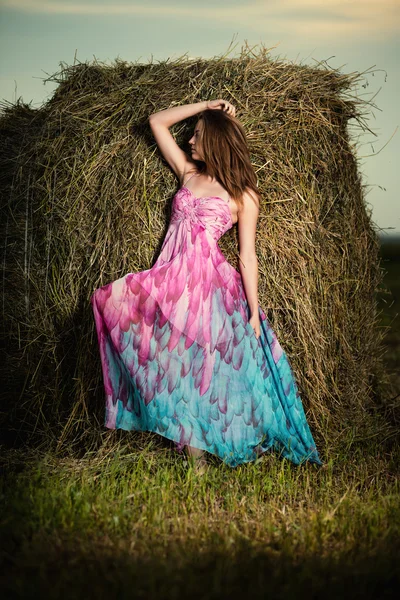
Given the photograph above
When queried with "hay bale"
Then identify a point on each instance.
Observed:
(86, 198)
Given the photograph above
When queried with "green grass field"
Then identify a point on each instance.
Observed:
(139, 522)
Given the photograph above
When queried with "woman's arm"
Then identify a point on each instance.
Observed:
(248, 264)
(173, 115)
(159, 124)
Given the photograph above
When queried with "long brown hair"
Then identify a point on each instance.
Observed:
(226, 154)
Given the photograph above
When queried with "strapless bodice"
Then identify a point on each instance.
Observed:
(211, 213)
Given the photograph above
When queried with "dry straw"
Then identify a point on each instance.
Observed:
(86, 198)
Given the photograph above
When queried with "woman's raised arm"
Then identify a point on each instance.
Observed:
(173, 115)
(161, 121)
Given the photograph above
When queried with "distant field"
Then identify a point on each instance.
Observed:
(389, 304)
(390, 247)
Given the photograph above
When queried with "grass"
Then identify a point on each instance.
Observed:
(145, 521)
(136, 521)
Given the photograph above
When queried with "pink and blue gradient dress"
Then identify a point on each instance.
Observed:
(180, 358)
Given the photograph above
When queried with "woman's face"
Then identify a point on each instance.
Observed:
(195, 141)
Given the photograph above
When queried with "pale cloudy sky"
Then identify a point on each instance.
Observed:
(350, 35)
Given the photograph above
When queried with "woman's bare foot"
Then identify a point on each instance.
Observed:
(258, 450)
(197, 459)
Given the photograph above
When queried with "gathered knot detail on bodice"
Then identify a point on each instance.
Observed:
(211, 213)
(189, 214)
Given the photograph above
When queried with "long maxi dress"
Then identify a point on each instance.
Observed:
(180, 358)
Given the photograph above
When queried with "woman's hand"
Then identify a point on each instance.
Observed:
(255, 323)
(222, 105)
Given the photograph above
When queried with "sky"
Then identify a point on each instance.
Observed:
(36, 36)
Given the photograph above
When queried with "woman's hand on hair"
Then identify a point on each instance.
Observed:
(221, 105)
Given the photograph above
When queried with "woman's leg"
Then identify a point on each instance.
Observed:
(194, 452)
(197, 458)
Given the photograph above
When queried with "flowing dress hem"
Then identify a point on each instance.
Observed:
(238, 458)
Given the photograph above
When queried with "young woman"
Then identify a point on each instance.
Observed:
(186, 350)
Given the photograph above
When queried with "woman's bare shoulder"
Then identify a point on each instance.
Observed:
(250, 197)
